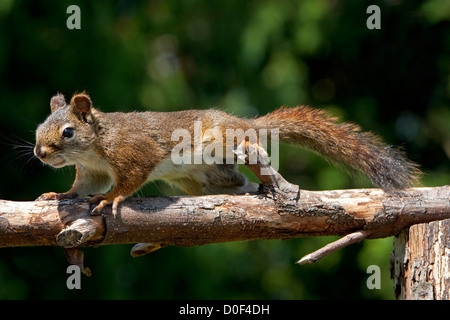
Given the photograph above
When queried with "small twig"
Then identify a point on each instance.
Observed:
(334, 246)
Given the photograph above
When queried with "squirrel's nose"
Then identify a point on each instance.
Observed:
(38, 152)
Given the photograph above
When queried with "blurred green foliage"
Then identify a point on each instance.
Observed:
(246, 57)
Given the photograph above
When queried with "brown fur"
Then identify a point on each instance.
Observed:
(125, 150)
(343, 143)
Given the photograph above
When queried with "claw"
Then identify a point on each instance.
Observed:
(98, 209)
(56, 196)
(104, 201)
(115, 204)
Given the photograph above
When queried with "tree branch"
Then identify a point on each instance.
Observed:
(190, 221)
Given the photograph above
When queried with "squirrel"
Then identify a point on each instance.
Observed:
(116, 153)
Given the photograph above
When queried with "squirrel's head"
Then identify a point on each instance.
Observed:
(68, 132)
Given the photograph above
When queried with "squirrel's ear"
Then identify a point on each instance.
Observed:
(57, 102)
(81, 105)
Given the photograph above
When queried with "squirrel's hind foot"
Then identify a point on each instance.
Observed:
(284, 191)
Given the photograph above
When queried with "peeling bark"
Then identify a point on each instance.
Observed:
(191, 221)
(421, 262)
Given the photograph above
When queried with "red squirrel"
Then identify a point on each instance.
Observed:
(116, 153)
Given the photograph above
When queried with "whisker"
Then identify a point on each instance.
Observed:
(19, 149)
(18, 142)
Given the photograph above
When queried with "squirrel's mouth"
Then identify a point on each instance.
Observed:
(56, 163)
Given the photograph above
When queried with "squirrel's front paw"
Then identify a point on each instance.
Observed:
(104, 200)
(56, 196)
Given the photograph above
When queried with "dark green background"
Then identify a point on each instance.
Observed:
(248, 58)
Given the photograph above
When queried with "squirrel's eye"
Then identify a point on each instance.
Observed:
(67, 133)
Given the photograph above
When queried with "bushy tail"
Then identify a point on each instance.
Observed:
(387, 167)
